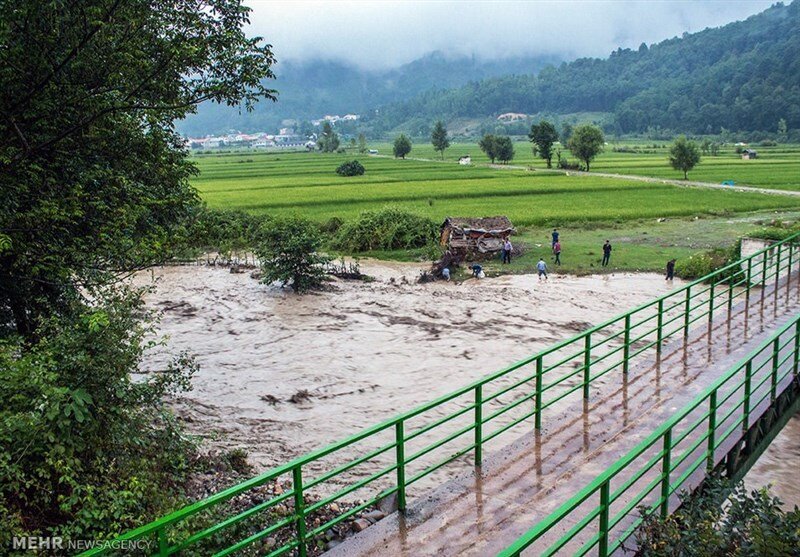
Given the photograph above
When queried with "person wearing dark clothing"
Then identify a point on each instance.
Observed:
(555, 237)
(606, 253)
(507, 251)
(670, 269)
(557, 253)
(476, 270)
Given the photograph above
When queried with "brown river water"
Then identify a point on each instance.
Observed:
(282, 374)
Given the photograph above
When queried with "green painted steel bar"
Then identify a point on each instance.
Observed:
(163, 546)
(299, 509)
(604, 507)
(774, 383)
(665, 471)
(592, 337)
(711, 301)
(587, 364)
(538, 403)
(478, 425)
(712, 429)
(663, 433)
(796, 347)
(401, 466)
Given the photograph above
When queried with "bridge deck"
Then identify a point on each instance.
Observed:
(482, 513)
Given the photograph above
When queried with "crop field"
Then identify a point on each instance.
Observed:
(776, 168)
(306, 184)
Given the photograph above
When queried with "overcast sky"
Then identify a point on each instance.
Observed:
(380, 34)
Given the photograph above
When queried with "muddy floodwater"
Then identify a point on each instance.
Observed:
(282, 374)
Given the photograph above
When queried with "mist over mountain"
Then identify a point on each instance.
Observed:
(744, 76)
(311, 89)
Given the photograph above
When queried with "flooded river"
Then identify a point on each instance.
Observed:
(283, 374)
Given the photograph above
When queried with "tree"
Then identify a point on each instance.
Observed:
(543, 135)
(402, 146)
(352, 142)
(684, 155)
(439, 138)
(350, 168)
(328, 141)
(782, 129)
(362, 143)
(488, 145)
(94, 180)
(586, 143)
(505, 149)
(714, 148)
(289, 254)
(566, 132)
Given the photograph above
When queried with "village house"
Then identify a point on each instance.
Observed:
(466, 161)
(475, 238)
(749, 154)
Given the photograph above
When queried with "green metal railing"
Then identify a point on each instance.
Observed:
(389, 458)
(675, 457)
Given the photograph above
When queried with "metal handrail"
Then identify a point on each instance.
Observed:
(589, 342)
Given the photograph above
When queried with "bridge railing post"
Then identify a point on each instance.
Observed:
(711, 300)
(665, 470)
(749, 280)
(774, 377)
(399, 437)
(687, 312)
(299, 510)
(748, 378)
(660, 325)
(587, 363)
(712, 430)
(478, 425)
(604, 512)
(163, 545)
(538, 398)
(796, 359)
(626, 349)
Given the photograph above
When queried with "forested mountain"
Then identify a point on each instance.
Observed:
(310, 90)
(744, 76)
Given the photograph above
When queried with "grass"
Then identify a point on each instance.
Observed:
(587, 209)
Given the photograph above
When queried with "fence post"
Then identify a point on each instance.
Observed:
(796, 347)
(299, 510)
(626, 350)
(665, 469)
(730, 294)
(587, 362)
(711, 300)
(789, 266)
(539, 367)
(399, 438)
(604, 507)
(774, 382)
(687, 311)
(712, 430)
(763, 275)
(478, 425)
(748, 377)
(163, 546)
(660, 320)
(749, 279)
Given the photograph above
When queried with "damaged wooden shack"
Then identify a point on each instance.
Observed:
(473, 238)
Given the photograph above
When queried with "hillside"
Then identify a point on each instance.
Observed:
(310, 90)
(744, 76)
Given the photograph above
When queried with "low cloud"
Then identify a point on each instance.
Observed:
(384, 34)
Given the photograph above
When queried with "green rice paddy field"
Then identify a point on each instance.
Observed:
(648, 223)
(306, 184)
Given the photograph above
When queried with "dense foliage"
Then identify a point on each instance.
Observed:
(328, 141)
(504, 149)
(401, 146)
(289, 252)
(544, 135)
(684, 155)
(350, 168)
(743, 76)
(586, 142)
(86, 451)
(385, 229)
(439, 137)
(93, 178)
(748, 524)
(704, 263)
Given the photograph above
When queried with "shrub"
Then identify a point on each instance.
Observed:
(331, 226)
(702, 264)
(386, 229)
(289, 254)
(350, 168)
(768, 143)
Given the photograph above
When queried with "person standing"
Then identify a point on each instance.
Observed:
(557, 253)
(555, 237)
(542, 267)
(507, 247)
(606, 253)
(670, 269)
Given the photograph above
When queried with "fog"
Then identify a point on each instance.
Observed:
(376, 34)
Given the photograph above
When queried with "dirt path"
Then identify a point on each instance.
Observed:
(635, 177)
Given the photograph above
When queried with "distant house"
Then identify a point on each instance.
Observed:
(475, 238)
(512, 116)
(467, 160)
(749, 154)
(373, 151)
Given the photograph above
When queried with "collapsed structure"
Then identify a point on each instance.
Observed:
(475, 238)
